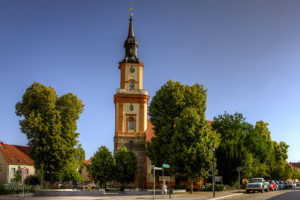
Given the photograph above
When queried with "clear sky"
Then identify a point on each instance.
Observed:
(245, 52)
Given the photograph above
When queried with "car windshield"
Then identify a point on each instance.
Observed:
(253, 180)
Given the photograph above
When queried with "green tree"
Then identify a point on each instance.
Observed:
(232, 152)
(32, 180)
(194, 156)
(102, 166)
(125, 166)
(280, 151)
(49, 123)
(295, 173)
(183, 137)
(18, 175)
(262, 128)
(70, 172)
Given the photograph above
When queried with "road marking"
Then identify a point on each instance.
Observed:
(223, 197)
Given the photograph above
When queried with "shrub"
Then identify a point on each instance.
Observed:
(218, 187)
(179, 187)
(32, 180)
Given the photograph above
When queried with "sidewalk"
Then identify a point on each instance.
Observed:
(184, 196)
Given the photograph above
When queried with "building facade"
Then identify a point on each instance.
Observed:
(131, 107)
(13, 158)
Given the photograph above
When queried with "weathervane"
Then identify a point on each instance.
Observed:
(131, 9)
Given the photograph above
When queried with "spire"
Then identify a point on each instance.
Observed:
(131, 45)
(130, 32)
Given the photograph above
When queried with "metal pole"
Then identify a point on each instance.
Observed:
(239, 181)
(214, 194)
(154, 182)
(163, 180)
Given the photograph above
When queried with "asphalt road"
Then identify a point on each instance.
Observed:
(291, 194)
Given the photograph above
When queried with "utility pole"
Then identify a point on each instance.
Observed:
(213, 171)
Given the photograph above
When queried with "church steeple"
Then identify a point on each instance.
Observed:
(131, 45)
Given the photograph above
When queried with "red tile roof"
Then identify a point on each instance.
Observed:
(15, 154)
(149, 131)
(295, 164)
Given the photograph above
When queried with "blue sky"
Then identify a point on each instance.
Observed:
(245, 52)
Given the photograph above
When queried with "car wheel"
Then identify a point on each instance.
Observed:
(247, 191)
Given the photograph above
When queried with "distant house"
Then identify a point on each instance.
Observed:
(296, 165)
(85, 174)
(12, 158)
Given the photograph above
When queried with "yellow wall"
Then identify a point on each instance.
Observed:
(117, 117)
(136, 75)
(30, 168)
(136, 111)
(4, 170)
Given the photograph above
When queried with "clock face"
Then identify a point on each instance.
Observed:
(132, 69)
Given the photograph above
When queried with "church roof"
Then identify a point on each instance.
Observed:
(150, 131)
(15, 154)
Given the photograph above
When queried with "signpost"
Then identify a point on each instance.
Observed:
(158, 168)
(239, 169)
(24, 171)
(166, 166)
(154, 168)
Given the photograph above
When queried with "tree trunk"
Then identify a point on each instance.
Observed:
(104, 185)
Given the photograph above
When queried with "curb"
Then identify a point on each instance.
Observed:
(224, 197)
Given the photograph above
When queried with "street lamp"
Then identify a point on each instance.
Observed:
(213, 170)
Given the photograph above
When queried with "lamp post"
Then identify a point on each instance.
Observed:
(213, 171)
(239, 169)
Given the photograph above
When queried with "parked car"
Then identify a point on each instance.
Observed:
(257, 184)
(288, 184)
(280, 185)
(298, 184)
(272, 185)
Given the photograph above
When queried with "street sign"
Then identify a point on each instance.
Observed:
(157, 168)
(239, 169)
(166, 166)
(24, 170)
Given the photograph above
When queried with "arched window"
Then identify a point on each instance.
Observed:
(131, 123)
(132, 85)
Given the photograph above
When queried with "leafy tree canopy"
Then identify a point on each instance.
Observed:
(183, 137)
(49, 123)
(102, 166)
(125, 166)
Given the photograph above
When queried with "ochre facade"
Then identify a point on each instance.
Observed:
(131, 108)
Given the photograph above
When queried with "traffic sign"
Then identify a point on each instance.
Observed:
(166, 166)
(24, 170)
(157, 168)
(239, 169)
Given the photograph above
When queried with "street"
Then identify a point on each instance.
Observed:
(291, 194)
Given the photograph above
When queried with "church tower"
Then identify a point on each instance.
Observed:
(131, 106)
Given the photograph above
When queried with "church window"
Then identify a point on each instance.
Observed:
(131, 123)
(132, 85)
(131, 107)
